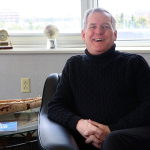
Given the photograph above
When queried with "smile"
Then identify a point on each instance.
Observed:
(98, 40)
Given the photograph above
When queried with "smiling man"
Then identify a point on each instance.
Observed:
(99, 33)
(103, 97)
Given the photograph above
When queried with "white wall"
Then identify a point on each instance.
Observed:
(36, 66)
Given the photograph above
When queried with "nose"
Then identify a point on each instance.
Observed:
(99, 31)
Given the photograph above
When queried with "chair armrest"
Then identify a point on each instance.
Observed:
(53, 136)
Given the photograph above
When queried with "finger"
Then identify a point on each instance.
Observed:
(94, 123)
(100, 136)
(88, 133)
(98, 130)
(97, 145)
(92, 130)
(88, 141)
(93, 138)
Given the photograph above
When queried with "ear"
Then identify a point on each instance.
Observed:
(115, 35)
(83, 35)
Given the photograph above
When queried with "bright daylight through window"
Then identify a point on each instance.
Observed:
(31, 16)
(132, 17)
(28, 19)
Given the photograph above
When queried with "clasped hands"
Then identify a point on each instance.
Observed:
(93, 132)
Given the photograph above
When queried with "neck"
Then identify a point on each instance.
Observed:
(102, 57)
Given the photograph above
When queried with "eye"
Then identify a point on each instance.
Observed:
(105, 27)
(93, 27)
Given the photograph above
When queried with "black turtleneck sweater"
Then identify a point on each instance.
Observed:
(112, 88)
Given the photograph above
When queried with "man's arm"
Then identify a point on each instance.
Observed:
(141, 115)
(61, 106)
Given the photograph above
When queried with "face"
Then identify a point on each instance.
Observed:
(99, 35)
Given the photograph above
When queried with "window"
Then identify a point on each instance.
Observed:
(32, 16)
(132, 18)
(25, 21)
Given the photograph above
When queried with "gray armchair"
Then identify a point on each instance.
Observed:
(51, 135)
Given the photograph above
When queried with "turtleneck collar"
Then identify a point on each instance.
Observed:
(102, 57)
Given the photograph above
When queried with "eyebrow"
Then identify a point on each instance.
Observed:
(102, 24)
(92, 24)
(107, 23)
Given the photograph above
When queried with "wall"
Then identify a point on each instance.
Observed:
(36, 66)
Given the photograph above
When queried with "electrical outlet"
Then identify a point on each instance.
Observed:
(25, 85)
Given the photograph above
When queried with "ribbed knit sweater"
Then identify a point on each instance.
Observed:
(112, 88)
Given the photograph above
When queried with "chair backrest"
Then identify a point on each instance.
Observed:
(48, 90)
(52, 135)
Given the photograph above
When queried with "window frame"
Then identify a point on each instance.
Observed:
(68, 39)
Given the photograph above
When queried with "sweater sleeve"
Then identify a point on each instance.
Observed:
(61, 106)
(141, 115)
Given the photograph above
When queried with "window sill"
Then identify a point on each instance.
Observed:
(69, 50)
(43, 50)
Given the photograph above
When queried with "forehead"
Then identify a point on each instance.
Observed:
(99, 17)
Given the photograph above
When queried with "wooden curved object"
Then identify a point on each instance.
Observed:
(10, 106)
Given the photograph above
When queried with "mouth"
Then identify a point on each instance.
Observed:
(98, 40)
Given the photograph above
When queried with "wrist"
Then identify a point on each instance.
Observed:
(107, 129)
(79, 123)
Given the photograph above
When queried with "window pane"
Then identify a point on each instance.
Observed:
(132, 17)
(31, 16)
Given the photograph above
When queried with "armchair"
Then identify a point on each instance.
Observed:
(51, 135)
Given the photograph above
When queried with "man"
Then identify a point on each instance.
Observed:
(103, 96)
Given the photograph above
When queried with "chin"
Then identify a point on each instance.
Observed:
(99, 51)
